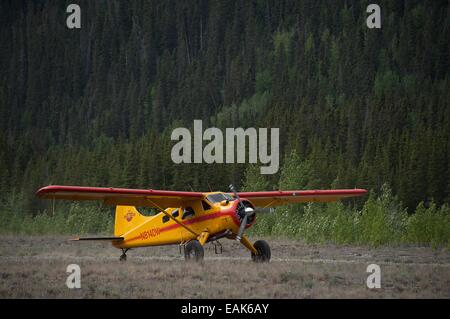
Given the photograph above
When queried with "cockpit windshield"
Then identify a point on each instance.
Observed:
(217, 198)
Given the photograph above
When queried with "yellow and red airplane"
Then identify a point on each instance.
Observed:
(189, 219)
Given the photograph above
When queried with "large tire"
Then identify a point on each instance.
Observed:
(193, 251)
(263, 249)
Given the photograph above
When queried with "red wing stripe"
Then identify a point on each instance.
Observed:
(331, 192)
(189, 222)
(54, 189)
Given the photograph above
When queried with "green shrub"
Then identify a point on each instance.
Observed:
(381, 221)
(69, 219)
(429, 226)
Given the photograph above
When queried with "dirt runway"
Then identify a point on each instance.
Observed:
(35, 267)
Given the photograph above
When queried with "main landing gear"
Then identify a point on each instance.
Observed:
(263, 252)
(260, 250)
(193, 251)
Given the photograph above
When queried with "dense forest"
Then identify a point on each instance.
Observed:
(356, 107)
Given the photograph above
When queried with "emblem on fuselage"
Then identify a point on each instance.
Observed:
(129, 216)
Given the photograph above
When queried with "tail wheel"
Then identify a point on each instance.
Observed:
(123, 257)
(263, 255)
(193, 251)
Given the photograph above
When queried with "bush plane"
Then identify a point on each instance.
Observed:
(189, 219)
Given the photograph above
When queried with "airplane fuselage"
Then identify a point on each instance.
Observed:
(202, 218)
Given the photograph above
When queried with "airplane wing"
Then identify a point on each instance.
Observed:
(277, 198)
(120, 196)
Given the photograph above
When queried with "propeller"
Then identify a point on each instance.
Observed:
(247, 211)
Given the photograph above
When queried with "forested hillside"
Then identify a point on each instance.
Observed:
(356, 107)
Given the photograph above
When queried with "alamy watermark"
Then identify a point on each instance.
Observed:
(220, 150)
(73, 21)
(374, 279)
(374, 19)
(74, 279)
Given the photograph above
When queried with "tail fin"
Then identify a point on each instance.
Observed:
(127, 217)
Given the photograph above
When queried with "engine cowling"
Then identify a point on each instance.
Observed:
(247, 208)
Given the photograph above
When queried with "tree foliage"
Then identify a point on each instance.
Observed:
(96, 105)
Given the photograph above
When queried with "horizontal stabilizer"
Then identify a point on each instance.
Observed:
(97, 238)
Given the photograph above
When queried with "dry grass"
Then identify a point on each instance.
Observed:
(35, 267)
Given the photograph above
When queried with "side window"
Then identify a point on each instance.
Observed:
(176, 213)
(165, 219)
(188, 211)
(205, 205)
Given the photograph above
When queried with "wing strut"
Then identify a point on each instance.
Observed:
(171, 217)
